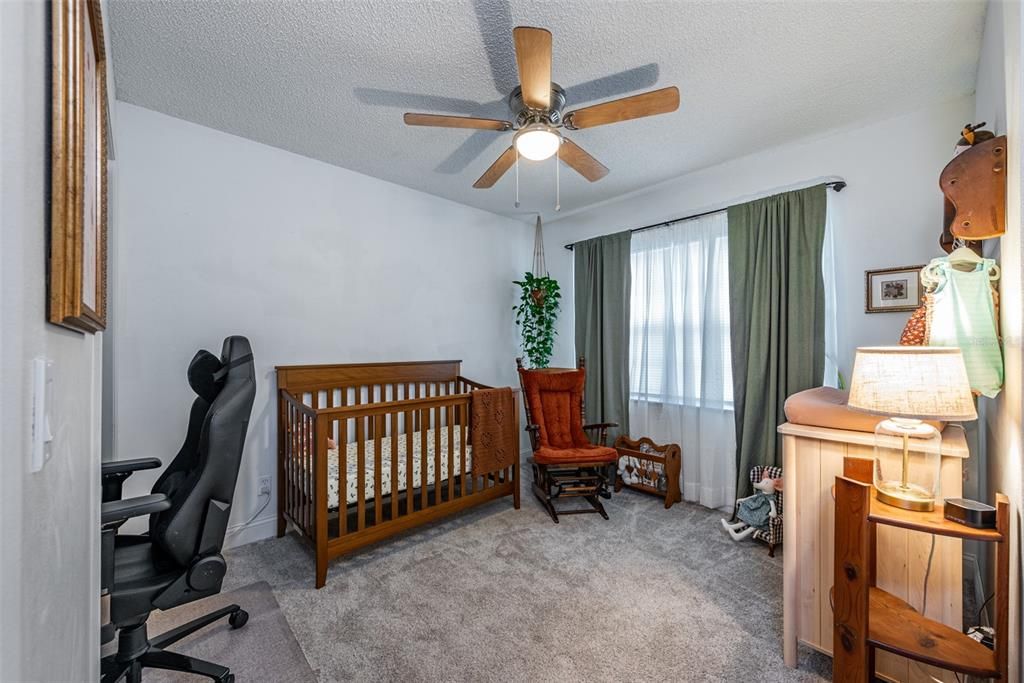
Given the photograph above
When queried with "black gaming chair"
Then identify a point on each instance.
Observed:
(179, 560)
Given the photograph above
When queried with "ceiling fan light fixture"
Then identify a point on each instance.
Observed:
(537, 142)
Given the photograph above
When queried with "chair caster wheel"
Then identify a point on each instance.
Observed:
(237, 620)
(230, 678)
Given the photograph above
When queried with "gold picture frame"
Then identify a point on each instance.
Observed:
(77, 264)
(892, 290)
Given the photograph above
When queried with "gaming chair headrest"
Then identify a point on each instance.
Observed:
(204, 375)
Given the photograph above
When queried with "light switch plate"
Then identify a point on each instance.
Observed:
(42, 396)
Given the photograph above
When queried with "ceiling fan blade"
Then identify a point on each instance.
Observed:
(443, 121)
(533, 56)
(497, 169)
(646, 104)
(581, 162)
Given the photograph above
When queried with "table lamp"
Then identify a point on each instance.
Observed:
(910, 384)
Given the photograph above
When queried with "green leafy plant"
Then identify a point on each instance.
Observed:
(536, 315)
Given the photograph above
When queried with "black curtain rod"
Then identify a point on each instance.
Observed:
(836, 185)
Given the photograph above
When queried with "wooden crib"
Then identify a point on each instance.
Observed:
(402, 452)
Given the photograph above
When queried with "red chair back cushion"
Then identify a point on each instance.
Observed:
(555, 398)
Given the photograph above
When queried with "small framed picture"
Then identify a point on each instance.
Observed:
(891, 290)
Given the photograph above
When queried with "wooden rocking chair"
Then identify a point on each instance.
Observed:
(565, 462)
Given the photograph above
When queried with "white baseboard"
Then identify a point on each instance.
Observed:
(256, 530)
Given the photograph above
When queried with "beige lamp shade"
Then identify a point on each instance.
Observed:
(922, 382)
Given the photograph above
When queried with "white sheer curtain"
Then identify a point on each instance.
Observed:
(828, 274)
(680, 366)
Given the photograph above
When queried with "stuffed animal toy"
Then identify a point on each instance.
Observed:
(754, 512)
(971, 135)
(627, 471)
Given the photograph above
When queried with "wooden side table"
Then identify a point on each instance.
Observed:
(869, 618)
(656, 464)
(813, 457)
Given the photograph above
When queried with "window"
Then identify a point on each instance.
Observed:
(679, 315)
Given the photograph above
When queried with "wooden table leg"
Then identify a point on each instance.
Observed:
(791, 569)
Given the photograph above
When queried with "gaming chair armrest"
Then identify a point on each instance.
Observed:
(128, 466)
(115, 472)
(121, 510)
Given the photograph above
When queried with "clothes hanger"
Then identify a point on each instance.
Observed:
(966, 259)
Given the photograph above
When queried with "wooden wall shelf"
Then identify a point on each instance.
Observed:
(928, 522)
(867, 617)
(813, 457)
(897, 627)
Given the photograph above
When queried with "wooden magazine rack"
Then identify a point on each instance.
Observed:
(656, 464)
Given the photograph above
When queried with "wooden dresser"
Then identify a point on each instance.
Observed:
(813, 457)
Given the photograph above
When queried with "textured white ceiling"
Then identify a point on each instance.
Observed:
(330, 80)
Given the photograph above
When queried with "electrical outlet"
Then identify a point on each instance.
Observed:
(264, 486)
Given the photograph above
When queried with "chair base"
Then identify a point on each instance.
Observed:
(554, 482)
(136, 651)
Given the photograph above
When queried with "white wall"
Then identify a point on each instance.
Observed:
(998, 101)
(890, 214)
(315, 264)
(49, 521)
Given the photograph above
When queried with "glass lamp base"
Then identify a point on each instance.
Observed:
(908, 497)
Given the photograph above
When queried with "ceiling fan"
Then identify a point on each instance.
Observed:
(537, 106)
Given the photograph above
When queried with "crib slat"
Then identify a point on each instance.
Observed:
(360, 475)
(319, 470)
(343, 471)
(415, 415)
(437, 454)
(423, 457)
(300, 494)
(304, 451)
(310, 475)
(393, 417)
(451, 453)
(409, 436)
(464, 467)
(378, 464)
(289, 462)
(297, 493)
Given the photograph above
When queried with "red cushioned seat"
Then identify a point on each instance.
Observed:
(583, 454)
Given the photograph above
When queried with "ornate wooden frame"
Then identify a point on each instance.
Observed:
(869, 306)
(74, 24)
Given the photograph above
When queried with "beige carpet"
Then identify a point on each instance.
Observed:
(497, 594)
(263, 650)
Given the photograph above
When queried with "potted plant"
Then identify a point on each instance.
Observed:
(536, 315)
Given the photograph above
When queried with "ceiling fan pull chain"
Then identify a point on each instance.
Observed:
(517, 177)
(558, 187)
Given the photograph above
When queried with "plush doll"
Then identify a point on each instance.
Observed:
(754, 512)
(627, 471)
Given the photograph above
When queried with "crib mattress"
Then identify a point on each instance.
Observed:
(352, 462)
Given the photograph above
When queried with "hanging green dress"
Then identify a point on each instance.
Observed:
(963, 314)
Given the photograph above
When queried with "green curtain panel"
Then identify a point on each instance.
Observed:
(777, 316)
(602, 284)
